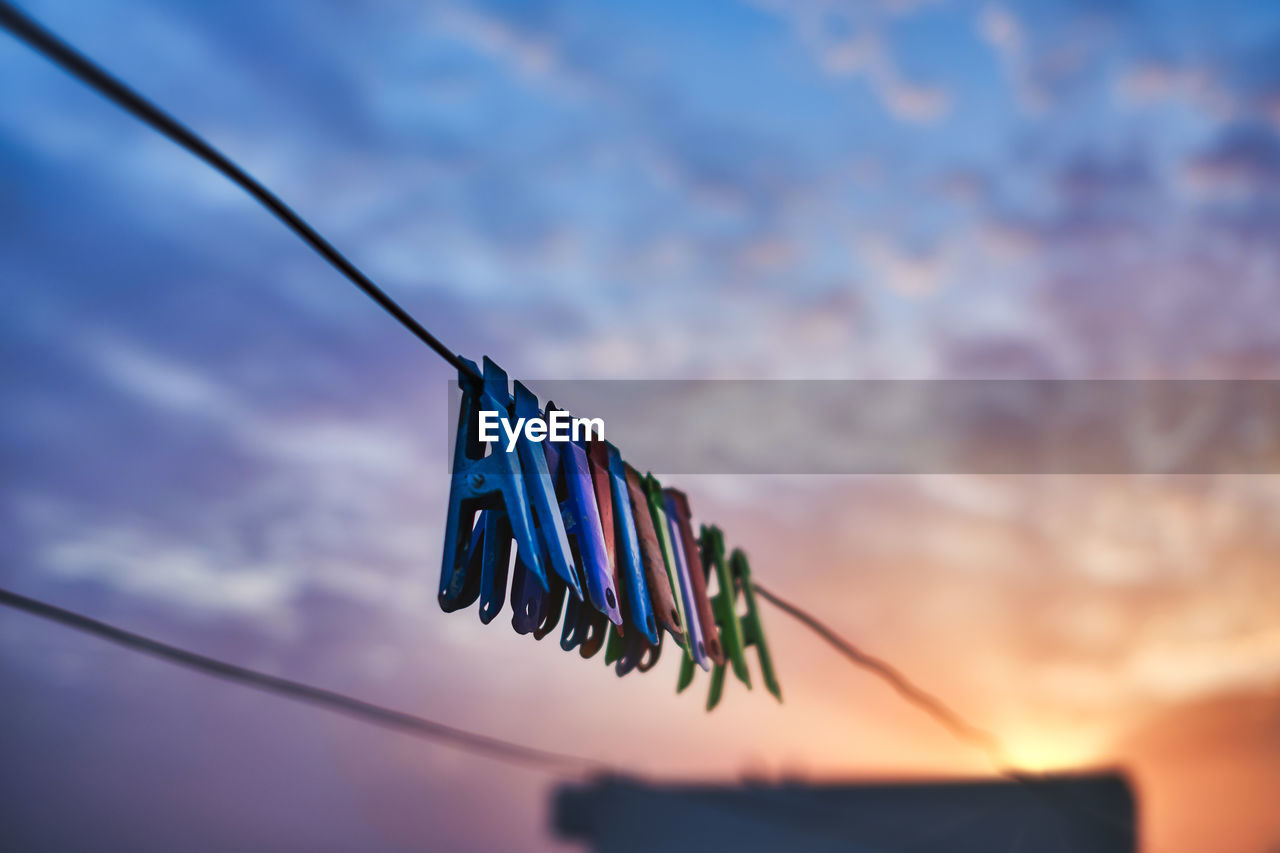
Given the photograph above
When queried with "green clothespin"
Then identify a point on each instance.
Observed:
(711, 547)
(653, 492)
(614, 646)
(752, 627)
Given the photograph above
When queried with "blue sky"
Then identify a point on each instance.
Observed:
(208, 434)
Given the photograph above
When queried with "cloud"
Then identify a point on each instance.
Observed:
(1090, 175)
(1227, 80)
(173, 572)
(1155, 81)
(1243, 159)
(1051, 52)
(854, 41)
(1007, 37)
(269, 509)
(533, 51)
(358, 446)
(916, 273)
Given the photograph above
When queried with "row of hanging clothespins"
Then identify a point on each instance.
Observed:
(600, 548)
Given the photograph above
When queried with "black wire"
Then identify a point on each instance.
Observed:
(81, 67)
(421, 727)
(922, 699)
(429, 729)
(1042, 785)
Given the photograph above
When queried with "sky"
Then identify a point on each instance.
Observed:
(210, 437)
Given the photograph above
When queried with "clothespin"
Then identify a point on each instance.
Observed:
(579, 517)
(684, 568)
(629, 648)
(640, 654)
(495, 483)
(633, 589)
(494, 528)
(539, 476)
(656, 578)
(579, 625)
(587, 627)
(631, 652)
(584, 628)
(680, 517)
(584, 624)
(711, 547)
(615, 649)
(677, 571)
(598, 464)
(628, 644)
(584, 526)
(549, 607)
(752, 630)
(636, 641)
(537, 610)
(528, 600)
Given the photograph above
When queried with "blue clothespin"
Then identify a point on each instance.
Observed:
(495, 482)
(537, 611)
(577, 613)
(624, 557)
(534, 458)
(592, 626)
(575, 495)
(582, 521)
(630, 566)
(585, 627)
(534, 610)
(495, 557)
(527, 599)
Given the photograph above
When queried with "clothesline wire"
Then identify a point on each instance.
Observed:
(562, 764)
(754, 809)
(412, 724)
(887, 672)
(86, 71)
(95, 77)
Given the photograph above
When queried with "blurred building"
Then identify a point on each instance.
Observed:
(1064, 814)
